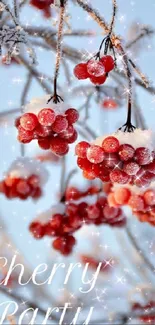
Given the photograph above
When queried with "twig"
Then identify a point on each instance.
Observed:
(113, 17)
(55, 97)
(146, 31)
(139, 250)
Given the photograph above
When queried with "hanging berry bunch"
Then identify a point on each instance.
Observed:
(123, 158)
(24, 179)
(50, 124)
(96, 69)
(65, 219)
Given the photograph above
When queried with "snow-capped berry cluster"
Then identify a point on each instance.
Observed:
(51, 126)
(25, 178)
(125, 158)
(44, 6)
(63, 220)
(147, 316)
(96, 71)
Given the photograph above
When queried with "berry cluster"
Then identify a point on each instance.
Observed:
(145, 310)
(62, 226)
(109, 160)
(53, 131)
(25, 178)
(43, 5)
(142, 205)
(96, 71)
(21, 188)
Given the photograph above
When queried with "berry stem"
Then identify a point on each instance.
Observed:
(128, 127)
(56, 98)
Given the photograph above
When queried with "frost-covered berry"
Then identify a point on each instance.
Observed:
(72, 115)
(46, 117)
(110, 144)
(131, 168)
(98, 80)
(80, 71)
(59, 146)
(119, 176)
(108, 62)
(81, 149)
(95, 68)
(28, 121)
(60, 124)
(143, 156)
(95, 154)
(126, 152)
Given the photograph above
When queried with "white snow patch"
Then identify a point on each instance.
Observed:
(24, 167)
(45, 216)
(37, 104)
(138, 138)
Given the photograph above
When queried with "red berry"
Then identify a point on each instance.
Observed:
(37, 193)
(136, 202)
(42, 131)
(56, 221)
(59, 146)
(110, 144)
(64, 244)
(80, 71)
(29, 121)
(72, 193)
(95, 68)
(25, 136)
(122, 195)
(72, 115)
(131, 168)
(110, 212)
(111, 160)
(23, 187)
(44, 143)
(73, 137)
(84, 164)
(46, 117)
(109, 104)
(88, 175)
(143, 156)
(126, 152)
(108, 62)
(37, 229)
(67, 133)
(60, 124)
(98, 80)
(119, 176)
(34, 181)
(95, 154)
(111, 201)
(149, 197)
(93, 211)
(81, 149)
(150, 167)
